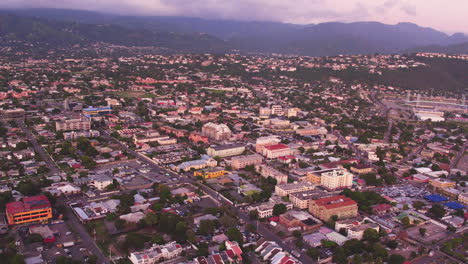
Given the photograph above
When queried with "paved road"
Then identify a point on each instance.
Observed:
(72, 219)
(460, 154)
(38, 148)
(87, 241)
(416, 151)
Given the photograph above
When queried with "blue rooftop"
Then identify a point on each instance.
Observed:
(435, 198)
(454, 205)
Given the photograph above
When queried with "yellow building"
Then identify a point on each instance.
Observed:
(210, 174)
(31, 209)
(442, 183)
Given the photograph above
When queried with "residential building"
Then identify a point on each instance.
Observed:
(240, 162)
(210, 174)
(299, 219)
(76, 134)
(265, 210)
(361, 169)
(357, 232)
(227, 150)
(262, 142)
(205, 161)
(341, 206)
(442, 183)
(275, 151)
(288, 188)
(301, 199)
(198, 137)
(267, 171)
(316, 176)
(101, 181)
(11, 114)
(156, 253)
(216, 131)
(277, 110)
(336, 179)
(30, 209)
(311, 131)
(73, 124)
(463, 198)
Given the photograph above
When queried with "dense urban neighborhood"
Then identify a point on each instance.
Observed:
(115, 154)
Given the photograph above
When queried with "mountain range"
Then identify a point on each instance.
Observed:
(67, 27)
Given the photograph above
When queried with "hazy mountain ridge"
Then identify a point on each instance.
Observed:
(222, 35)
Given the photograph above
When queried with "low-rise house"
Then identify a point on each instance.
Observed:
(156, 253)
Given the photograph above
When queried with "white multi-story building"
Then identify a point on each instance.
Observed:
(288, 188)
(101, 181)
(336, 179)
(73, 124)
(216, 131)
(227, 150)
(277, 110)
(76, 134)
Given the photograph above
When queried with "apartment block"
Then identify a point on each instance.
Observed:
(302, 199)
(267, 171)
(288, 188)
(336, 179)
(227, 150)
(216, 131)
(241, 162)
(73, 124)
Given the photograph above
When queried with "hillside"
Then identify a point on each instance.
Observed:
(54, 32)
(199, 35)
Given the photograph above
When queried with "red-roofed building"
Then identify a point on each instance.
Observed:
(341, 206)
(275, 151)
(380, 209)
(31, 209)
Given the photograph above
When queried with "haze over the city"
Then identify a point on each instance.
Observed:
(442, 15)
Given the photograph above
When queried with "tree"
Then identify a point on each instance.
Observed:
(279, 209)
(418, 205)
(313, 253)
(339, 256)
(406, 221)
(27, 188)
(422, 231)
(88, 162)
(378, 251)
(396, 259)
(92, 259)
(207, 227)
(437, 210)
(353, 246)
(253, 214)
(371, 235)
(235, 235)
(297, 234)
(392, 244)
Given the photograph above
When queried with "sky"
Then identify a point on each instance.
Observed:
(446, 15)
